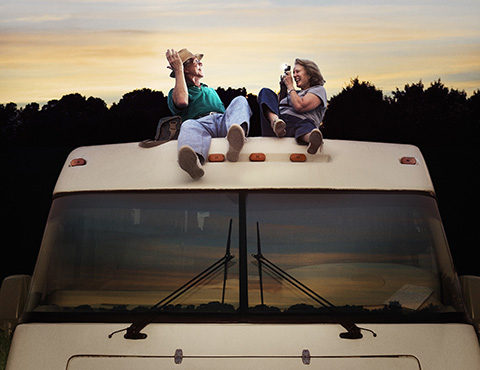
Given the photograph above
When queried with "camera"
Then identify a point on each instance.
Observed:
(283, 88)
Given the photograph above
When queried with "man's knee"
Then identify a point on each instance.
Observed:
(189, 123)
(239, 100)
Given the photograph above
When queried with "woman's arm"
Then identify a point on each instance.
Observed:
(301, 104)
(306, 103)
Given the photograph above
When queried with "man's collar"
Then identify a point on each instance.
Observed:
(192, 84)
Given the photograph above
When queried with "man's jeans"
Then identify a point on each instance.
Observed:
(198, 133)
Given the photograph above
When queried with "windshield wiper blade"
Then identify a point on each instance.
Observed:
(259, 256)
(133, 331)
(353, 331)
(227, 258)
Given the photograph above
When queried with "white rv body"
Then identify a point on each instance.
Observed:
(341, 165)
(74, 324)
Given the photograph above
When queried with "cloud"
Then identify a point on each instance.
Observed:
(111, 45)
(41, 18)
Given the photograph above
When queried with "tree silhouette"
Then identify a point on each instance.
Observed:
(226, 96)
(10, 123)
(435, 116)
(423, 116)
(358, 112)
(136, 115)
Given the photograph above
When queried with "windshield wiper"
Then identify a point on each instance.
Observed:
(353, 331)
(133, 331)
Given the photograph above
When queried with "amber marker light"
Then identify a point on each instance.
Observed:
(78, 162)
(216, 157)
(408, 160)
(257, 157)
(298, 157)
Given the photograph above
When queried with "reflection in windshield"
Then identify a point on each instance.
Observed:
(365, 251)
(132, 250)
(354, 249)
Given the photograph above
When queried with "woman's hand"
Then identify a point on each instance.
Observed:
(288, 80)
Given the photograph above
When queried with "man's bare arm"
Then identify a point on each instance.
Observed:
(180, 91)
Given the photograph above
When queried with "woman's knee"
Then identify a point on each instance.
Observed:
(264, 92)
(268, 101)
(303, 128)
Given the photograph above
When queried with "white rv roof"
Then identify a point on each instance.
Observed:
(344, 165)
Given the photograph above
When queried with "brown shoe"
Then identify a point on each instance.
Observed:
(236, 139)
(189, 162)
(279, 127)
(315, 141)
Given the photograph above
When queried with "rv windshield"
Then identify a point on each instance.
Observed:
(128, 252)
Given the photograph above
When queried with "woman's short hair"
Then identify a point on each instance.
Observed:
(314, 74)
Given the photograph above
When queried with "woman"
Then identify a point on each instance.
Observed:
(300, 112)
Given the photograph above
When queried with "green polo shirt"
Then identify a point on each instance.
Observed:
(201, 101)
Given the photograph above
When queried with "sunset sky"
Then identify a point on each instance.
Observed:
(49, 48)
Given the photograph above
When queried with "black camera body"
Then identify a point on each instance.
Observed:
(283, 88)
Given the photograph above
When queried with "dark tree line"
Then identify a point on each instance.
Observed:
(417, 115)
(35, 141)
(75, 120)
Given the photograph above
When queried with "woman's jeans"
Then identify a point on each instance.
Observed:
(198, 133)
(296, 127)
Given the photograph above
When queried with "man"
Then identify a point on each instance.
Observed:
(203, 114)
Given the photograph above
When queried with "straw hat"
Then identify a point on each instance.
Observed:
(185, 55)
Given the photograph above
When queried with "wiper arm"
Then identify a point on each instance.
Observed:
(287, 277)
(353, 331)
(133, 331)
